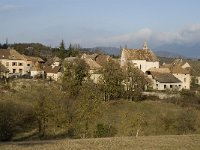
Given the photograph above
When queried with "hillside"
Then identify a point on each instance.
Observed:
(115, 118)
(176, 142)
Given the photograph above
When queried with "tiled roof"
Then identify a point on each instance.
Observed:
(50, 69)
(179, 62)
(92, 56)
(51, 61)
(101, 59)
(92, 64)
(195, 67)
(165, 77)
(176, 69)
(10, 54)
(34, 59)
(179, 70)
(159, 70)
(139, 54)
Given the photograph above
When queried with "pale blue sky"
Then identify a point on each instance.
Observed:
(99, 22)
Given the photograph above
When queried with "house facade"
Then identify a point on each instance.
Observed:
(52, 73)
(94, 68)
(162, 79)
(180, 70)
(16, 63)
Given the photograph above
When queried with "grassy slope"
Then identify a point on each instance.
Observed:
(181, 142)
(121, 113)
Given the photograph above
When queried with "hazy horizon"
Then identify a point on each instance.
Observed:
(100, 23)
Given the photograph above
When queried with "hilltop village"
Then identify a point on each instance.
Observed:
(176, 75)
(75, 93)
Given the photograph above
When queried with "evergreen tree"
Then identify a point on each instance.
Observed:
(62, 45)
(62, 52)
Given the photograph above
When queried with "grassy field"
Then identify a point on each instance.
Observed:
(169, 142)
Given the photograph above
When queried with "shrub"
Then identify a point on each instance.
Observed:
(7, 121)
(14, 118)
(181, 123)
(186, 122)
(71, 132)
(105, 130)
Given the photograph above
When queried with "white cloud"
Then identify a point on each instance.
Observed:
(8, 7)
(186, 35)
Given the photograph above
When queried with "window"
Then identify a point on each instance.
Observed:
(14, 70)
(28, 65)
(165, 86)
(140, 66)
(14, 64)
(184, 79)
(20, 64)
(171, 86)
(7, 63)
(20, 71)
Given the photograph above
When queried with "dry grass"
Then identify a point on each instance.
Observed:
(172, 142)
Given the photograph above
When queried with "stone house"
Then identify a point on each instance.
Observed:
(52, 73)
(37, 71)
(144, 58)
(16, 63)
(93, 70)
(162, 79)
(52, 69)
(180, 70)
(95, 63)
(36, 66)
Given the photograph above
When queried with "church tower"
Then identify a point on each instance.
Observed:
(145, 47)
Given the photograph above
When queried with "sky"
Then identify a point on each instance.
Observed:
(93, 23)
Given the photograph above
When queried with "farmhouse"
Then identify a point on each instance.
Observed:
(181, 71)
(162, 79)
(16, 63)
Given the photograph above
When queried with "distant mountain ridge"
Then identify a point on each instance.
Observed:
(185, 50)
